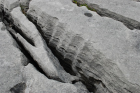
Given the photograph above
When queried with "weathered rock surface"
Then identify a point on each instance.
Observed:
(34, 44)
(89, 52)
(76, 50)
(127, 8)
(38, 83)
(11, 60)
(112, 10)
(36, 47)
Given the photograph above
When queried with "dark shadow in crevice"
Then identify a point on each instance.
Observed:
(89, 84)
(10, 27)
(67, 67)
(23, 50)
(59, 56)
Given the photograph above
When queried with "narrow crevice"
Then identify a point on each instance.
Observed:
(128, 90)
(23, 35)
(8, 23)
(23, 50)
(89, 84)
(64, 63)
(8, 19)
(128, 22)
(60, 57)
(67, 67)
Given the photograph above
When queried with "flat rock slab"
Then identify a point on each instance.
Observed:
(127, 8)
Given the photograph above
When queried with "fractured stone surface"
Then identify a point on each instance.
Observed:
(86, 48)
(111, 38)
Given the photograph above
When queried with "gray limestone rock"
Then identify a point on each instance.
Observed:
(106, 10)
(27, 34)
(93, 48)
(60, 47)
(8, 5)
(10, 62)
(38, 83)
(127, 8)
(36, 47)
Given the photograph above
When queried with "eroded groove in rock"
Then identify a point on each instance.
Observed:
(92, 67)
(128, 22)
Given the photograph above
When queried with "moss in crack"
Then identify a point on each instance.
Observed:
(92, 9)
(78, 4)
(23, 9)
(74, 1)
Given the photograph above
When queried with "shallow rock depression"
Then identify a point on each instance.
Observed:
(69, 46)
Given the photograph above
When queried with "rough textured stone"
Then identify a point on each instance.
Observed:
(106, 36)
(89, 52)
(38, 83)
(28, 36)
(36, 46)
(127, 8)
(128, 21)
(10, 61)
